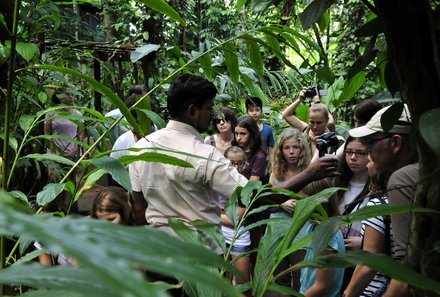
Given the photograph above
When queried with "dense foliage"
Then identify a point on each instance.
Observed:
(268, 49)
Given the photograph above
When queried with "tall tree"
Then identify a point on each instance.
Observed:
(412, 33)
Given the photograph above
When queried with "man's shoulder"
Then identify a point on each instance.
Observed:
(406, 174)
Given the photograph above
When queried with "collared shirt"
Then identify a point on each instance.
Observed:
(184, 193)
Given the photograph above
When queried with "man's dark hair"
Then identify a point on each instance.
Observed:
(366, 109)
(253, 101)
(188, 89)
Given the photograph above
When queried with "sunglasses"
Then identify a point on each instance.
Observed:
(218, 121)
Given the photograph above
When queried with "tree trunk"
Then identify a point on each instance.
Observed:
(413, 42)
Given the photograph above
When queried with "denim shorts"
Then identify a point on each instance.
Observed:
(238, 250)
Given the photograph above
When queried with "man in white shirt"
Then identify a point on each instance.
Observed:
(189, 194)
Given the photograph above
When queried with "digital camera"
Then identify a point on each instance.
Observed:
(327, 143)
(310, 92)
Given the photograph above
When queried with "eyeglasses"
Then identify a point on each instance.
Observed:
(238, 164)
(360, 154)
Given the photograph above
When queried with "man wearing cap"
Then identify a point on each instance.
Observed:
(391, 151)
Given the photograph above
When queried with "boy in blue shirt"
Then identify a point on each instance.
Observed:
(254, 108)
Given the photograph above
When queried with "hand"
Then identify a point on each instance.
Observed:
(353, 243)
(288, 205)
(302, 94)
(323, 167)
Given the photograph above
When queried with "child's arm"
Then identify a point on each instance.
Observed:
(323, 282)
(227, 221)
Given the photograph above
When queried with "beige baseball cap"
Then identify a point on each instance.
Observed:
(403, 125)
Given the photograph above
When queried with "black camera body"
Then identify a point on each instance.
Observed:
(310, 92)
(327, 143)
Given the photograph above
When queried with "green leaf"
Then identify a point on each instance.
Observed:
(231, 60)
(325, 74)
(42, 97)
(50, 157)
(240, 4)
(212, 231)
(142, 51)
(26, 121)
(19, 195)
(52, 293)
(27, 50)
(379, 262)
(13, 143)
(117, 171)
(5, 52)
(49, 193)
(255, 56)
(110, 256)
(155, 118)
(391, 116)
(206, 62)
(165, 8)
(30, 256)
(324, 21)
(430, 129)
(314, 11)
(248, 191)
(231, 206)
(351, 87)
(99, 87)
(361, 63)
(154, 157)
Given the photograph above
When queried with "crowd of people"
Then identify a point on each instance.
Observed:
(375, 165)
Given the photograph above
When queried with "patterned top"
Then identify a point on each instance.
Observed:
(378, 223)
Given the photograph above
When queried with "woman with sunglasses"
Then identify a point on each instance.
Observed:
(223, 126)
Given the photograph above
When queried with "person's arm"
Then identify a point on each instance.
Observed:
(45, 259)
(289, 113)
(323, 282)
(227, 221)
(331, 124)
(320, 168)
(374, 242)
(139, 207)
(397, 288)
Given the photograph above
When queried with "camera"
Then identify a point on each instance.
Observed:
(327, 143)
(310, 92)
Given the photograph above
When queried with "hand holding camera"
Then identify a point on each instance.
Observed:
(311, 94)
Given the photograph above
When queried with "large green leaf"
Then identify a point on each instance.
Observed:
(110, 255)
(100, 88)
(430, 129)
(155, 118)
(165, 8)
(154, 157)
(117, 171)
(231, 60)
(379, 262)
(255, 56)
(365, 60)
(351, 87)
(314, 11)
(391, 116)
(49, 193)
(142, 51)
(50, 157)
(206, 62)
(27, 50)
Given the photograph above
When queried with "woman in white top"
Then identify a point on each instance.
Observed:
(377, 238)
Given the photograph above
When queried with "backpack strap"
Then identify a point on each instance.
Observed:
(212, 140)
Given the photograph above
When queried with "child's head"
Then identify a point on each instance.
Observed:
(290, 147)
(237, 157)
(247, 135)
(356, 155)
(254, 108)
(113, 204)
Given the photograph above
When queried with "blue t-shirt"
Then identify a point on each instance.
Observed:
(267, 135)
(308, 274)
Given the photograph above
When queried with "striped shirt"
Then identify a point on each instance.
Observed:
(378, 223)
